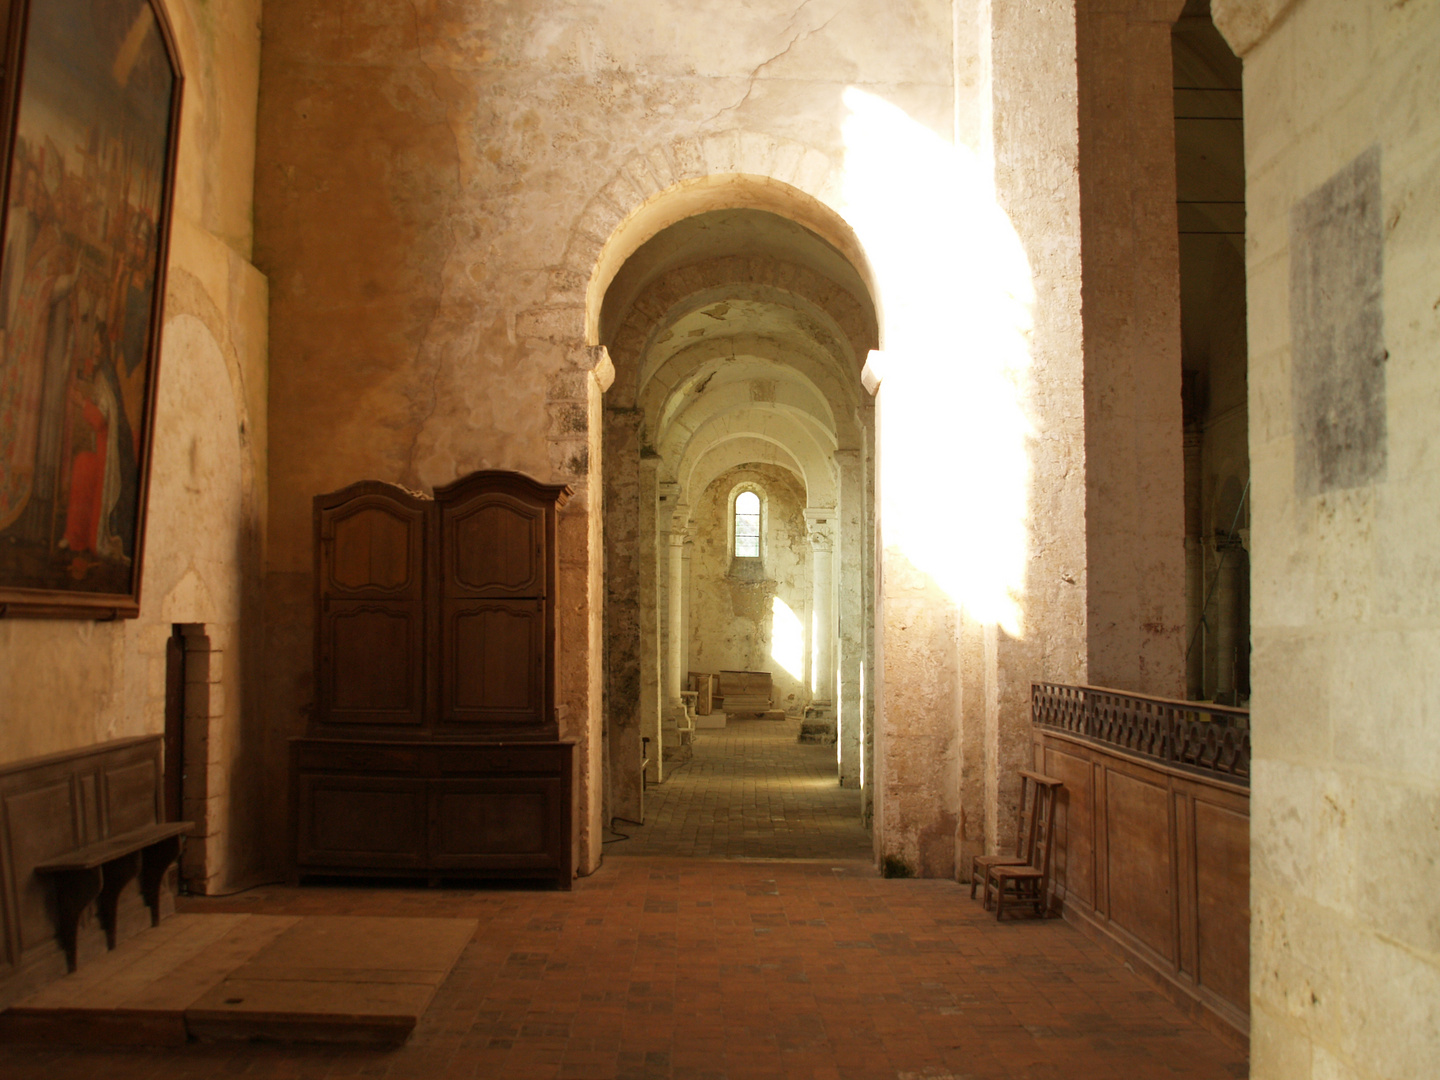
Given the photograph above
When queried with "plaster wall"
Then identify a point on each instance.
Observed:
(69, 684)
(1342, 139)
(732, 618)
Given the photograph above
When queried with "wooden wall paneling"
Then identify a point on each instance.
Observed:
(1101, 838)
(1074, 852)
(131, 792)
(1141, 866)
(1222, 862)
(1171, 858)
(49, 807)
(1184, 847)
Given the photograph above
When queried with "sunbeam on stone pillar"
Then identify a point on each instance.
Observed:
(956, 293)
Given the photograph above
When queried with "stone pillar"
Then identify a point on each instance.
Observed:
(850, 578)
(1227, 619)
(656, 499)
(1194, 569)
(687, 569)
(1129, 249)
(820, 522)
(673, 632)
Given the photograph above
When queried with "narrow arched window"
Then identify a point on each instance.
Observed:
(747, 525)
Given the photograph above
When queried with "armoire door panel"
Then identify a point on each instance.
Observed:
(494, 546)
(374, 546)
(361, 820)
(372, 662)
(493, 662)
(475, 823)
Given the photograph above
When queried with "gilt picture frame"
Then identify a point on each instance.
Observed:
(90, 94)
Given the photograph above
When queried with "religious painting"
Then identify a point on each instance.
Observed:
(91, 107)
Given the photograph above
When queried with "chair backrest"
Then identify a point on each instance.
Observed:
(1043, 844)
(1025, 816)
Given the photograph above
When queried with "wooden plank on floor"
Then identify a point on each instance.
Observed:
(289, 978)
(335, 979)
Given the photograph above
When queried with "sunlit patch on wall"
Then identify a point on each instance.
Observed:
(787, 639)
(956, 292)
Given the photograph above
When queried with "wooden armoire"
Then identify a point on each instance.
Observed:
(434, 748)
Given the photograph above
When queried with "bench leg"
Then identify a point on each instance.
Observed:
(117, 873)
(154, 861)
(74, 891)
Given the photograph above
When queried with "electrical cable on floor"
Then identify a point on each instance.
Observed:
(618, 834)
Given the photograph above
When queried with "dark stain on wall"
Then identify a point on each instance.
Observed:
(1337, 327)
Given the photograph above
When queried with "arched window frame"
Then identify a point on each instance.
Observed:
(759, 493)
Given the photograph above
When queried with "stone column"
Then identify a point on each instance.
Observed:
(674, 633)
(1227, 619)
(1194, 568)
(822, 556)
(850, 575)
(657, 500)
(687, 570)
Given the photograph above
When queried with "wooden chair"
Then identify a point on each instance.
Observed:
(1028, 883)
(1024, 834)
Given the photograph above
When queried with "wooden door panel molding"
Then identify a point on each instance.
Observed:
(372, 667)
(371, 542)
(494, 546)
(378, 821)
(494, 670)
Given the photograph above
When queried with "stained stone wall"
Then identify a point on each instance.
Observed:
(1135, 520)
(443, 196)
(1343, 191)
(68, 684)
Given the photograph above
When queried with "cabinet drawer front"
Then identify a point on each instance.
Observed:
(481, 824)
(543, 761)
(374, 757)
(360, 821)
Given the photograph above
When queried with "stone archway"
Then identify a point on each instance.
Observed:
(803, 402)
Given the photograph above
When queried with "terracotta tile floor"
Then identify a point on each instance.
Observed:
(726, 970)
(751, 791)
(662, 967)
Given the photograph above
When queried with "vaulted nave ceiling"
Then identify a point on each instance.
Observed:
(739, 336)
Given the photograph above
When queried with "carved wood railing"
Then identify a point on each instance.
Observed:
(1213, 739)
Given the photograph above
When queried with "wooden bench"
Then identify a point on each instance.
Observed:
(99, 871)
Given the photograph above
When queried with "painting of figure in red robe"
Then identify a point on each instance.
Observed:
(82, 252)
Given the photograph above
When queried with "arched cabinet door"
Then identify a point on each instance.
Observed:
(494, 545)
(498, 570)
(370, 629)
